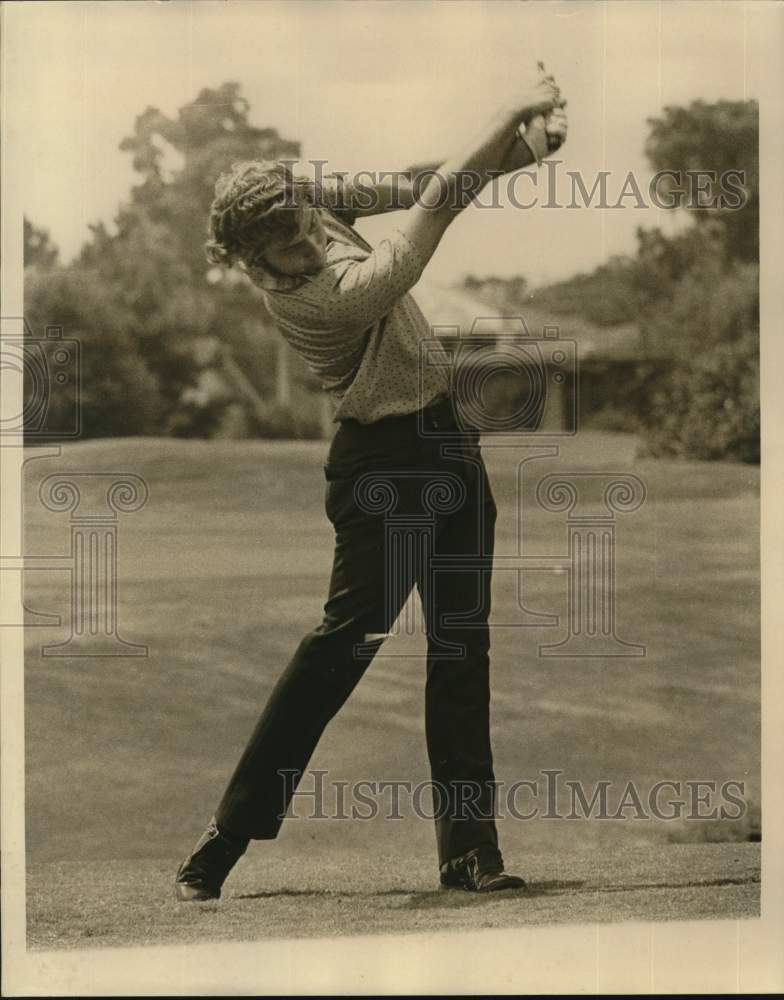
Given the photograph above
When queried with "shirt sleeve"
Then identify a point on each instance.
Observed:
(356, 293)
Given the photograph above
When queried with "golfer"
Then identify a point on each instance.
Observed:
(346, 309)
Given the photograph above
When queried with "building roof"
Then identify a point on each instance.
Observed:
(449, 307)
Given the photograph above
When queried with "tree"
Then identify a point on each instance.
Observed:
(38, 248)
(142, 298)
(607, 296)
(207, 135)
(715, 138)
(118, 394)
(155, 263)
(699, 292)
(695, 296)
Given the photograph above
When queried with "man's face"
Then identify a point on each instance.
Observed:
(305, 251)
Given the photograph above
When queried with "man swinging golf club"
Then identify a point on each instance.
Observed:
(344, 307)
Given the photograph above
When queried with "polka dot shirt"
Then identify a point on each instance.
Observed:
(357, 327)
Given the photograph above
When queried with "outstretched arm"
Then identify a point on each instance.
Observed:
(462, 177)
(372, 193)
(360, 292)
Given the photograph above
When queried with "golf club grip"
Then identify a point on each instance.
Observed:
(534, 135)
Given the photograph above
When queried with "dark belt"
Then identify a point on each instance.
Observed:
(438, 415)
(393, 438)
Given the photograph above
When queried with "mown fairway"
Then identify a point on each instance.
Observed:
(227, 565)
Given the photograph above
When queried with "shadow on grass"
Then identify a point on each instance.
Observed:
(451, 898)
(322, 893)
(416, 899)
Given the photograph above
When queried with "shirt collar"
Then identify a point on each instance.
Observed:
(269, 281)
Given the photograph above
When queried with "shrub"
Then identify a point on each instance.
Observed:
(118, 393)
(708, 408)
(277, 421)
(707, 405)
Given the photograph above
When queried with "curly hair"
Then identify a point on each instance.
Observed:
(255, 200)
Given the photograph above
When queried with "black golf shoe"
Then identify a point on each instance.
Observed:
(201, 876)
(479, 870)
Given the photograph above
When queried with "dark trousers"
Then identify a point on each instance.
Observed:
(409, 504)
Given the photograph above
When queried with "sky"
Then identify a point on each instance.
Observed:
(374, 85)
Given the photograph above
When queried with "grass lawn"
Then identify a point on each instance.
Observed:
(121, 903)
(227, 565)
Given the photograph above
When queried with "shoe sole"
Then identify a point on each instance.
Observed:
(498, 888)
(190, 894)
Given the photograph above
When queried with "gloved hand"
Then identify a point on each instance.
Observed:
(544, 134)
